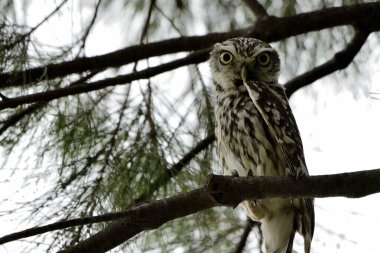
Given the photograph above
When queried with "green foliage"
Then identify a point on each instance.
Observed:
(13, 48)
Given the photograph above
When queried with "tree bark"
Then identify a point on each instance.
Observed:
(223, 190)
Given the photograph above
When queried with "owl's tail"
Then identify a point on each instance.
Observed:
(278, 231)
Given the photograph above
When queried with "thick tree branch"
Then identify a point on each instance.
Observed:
(146, 216)
(228, 191)
(340, 61)
(268, 29)
(231, 191)
(193, 58)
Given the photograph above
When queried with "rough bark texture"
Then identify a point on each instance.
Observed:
(221, 190)
(146, 216)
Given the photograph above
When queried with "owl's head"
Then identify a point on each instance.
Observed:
(259, 60)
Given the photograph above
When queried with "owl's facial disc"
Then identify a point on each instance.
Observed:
(258, 66)
(255, 59)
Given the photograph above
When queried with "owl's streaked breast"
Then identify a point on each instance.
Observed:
(243, 143)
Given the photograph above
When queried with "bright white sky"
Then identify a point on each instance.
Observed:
(341, 133)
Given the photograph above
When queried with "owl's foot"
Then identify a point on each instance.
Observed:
(217, 191)
(255, 211)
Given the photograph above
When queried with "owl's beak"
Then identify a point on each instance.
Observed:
(247, 71)
(244, 73)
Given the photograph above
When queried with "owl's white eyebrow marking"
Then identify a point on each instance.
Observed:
(228, 48)
(265, 49)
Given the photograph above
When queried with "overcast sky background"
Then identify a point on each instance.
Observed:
(340, 131)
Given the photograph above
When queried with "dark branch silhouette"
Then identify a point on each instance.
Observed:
(219, 190)
(339, 61)
(18, 116)
(229, 191)
(170, 173)
(267, 28)
(13, 119)
(256, 8)
(244, 237)
(177, 167)
(193, 58)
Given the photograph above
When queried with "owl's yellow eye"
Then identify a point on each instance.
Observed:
(263, 59)
(226, 57)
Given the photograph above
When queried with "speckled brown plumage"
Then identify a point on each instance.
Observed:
(257, 135)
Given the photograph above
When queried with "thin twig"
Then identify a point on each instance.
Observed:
(22, 37)
(256, 8)
(176, 168)
(244, 237)
(144, 31)
(339, 61)
(89, 27)
(13, 119)
(147, 21)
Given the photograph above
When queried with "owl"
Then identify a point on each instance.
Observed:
(257, 135)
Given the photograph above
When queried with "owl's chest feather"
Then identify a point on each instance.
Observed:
(243, 143)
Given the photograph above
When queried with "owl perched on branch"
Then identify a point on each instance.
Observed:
(257, 135)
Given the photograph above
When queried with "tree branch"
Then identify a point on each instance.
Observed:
(256, 8)
(339, 61)
(229, 191)
(18, 116)
(146, 216)
(13, 119)
(147, 21)
(193, 58)
(224, 190)
(268, 29)
(90, 26)
(177, 167)
(173, 171)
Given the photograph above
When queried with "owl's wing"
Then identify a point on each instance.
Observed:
(273, 105)
(274, 108)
